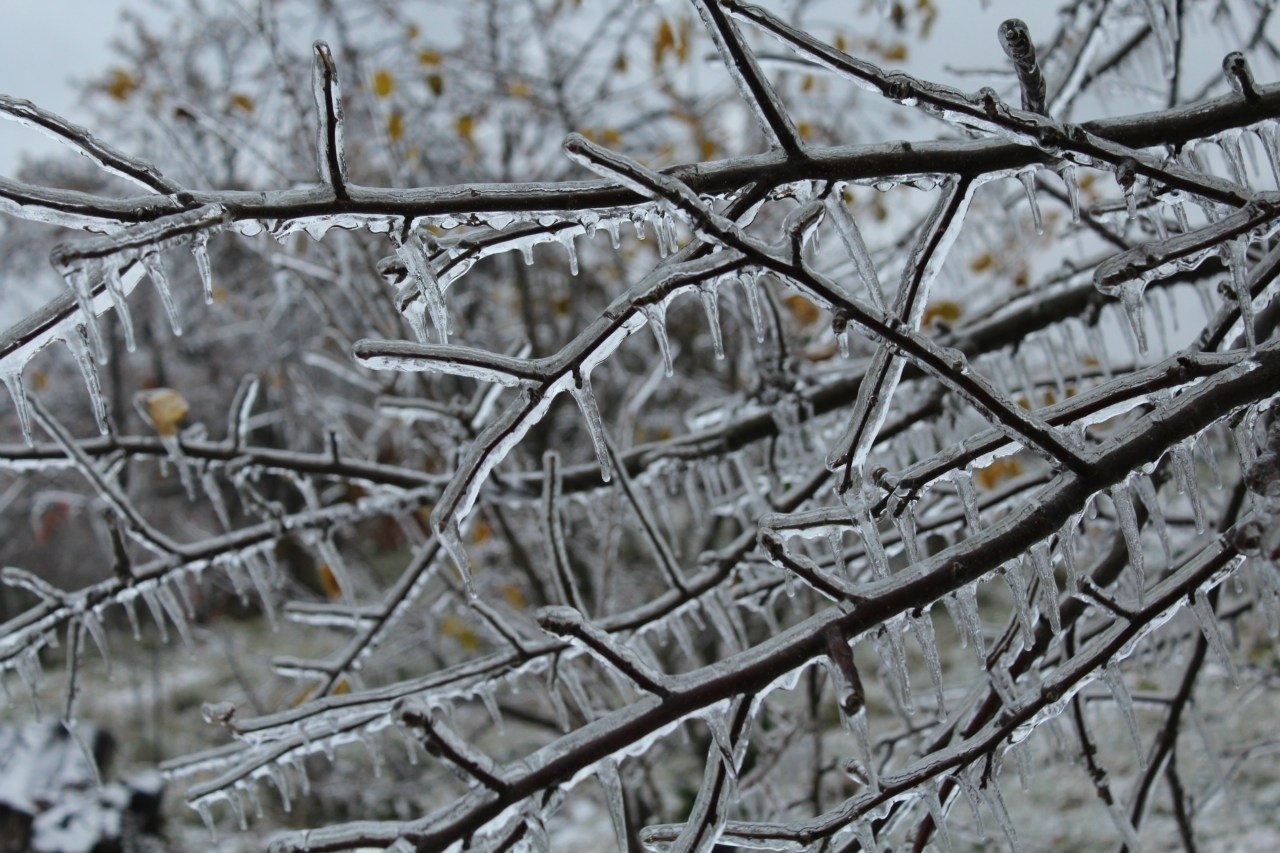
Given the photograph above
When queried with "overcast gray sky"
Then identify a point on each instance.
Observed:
(44, 44)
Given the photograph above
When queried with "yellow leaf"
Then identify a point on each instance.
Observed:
(943, 309)
(435, 82)
(429, 57)
(342, 688)
(121, 84)
(620, 62)
(452, 626)
(664, 41)
(166, 408)
(1003, 468)
(466, 125)
(383, 83)
(412, 31)
(395, 126)
(805, 129)
(519, 89)
(513, 594)
(328, 581)
(895, 52)
(242, 101)
(982, 262)
(802, 309)
(706, 148)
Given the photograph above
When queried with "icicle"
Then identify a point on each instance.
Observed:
(707, 295)
(1127, 518)
(847, 228)
(1267, 137)
(750, 284)
(1022, 763)
(966, 598)
(857, 724)
(174, 610)
(1021, 608)
(131, 611)
(451, 539)
(206, 815)
(1067, 171)
(1132, 300)
(1067, 547)
(200, 251)
(412, 254)
(571, 248)
(1028, 180)
(1039, 557)
(76, 344)
(970, 788)
(586, 400)
(611, 783)
(13, 382)
(995, 804)
(490, 702)
(154, 266)
(157, 612)
(922, 627)
(835, 538)
(657, 317)
(115, 289)
(257, 574)
(867, 530)
(82, 289)
(1229, 142)
(934, 804)
(1184, 466)
(1111, 676)
(895, 664)
(1208, 622)
(1239, 267)
(93, 626)
(968, 499)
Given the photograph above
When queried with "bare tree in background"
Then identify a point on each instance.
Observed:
(1005, 386)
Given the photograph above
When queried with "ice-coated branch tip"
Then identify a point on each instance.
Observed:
(330, 145)
(1015, 39)
(1240, 76)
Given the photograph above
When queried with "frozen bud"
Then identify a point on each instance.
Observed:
(219, 714)
(1236, 68)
